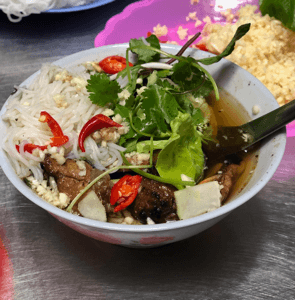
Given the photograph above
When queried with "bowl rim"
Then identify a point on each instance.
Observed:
(223, 210)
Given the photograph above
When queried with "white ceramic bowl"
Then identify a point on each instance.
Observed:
(237, 82)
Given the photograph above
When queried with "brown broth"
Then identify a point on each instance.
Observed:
(227, 111)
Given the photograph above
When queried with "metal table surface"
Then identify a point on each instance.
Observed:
(248, 255)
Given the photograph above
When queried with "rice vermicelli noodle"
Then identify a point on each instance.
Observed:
(65, 97)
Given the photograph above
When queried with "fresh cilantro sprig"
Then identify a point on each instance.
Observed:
(193, 62)
(160, 111)
(103, 91)
(188, 77)
(241, 31)
(146, 55)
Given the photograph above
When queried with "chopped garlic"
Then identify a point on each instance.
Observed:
(182, 32)
(124, 95)
(141, 90)
(82, 166)
(59, 158)
(118, 119)
(160, 30)
(207, 19)
(108, 112)
(255, 110)
(137, 158)
(124, 129)
(192, 16)
(79, 83)
(198, 23)
(246, 137)
(49, 193)
(228, 15)
(64, 200)
(63, 76)
(52, 150)
(60, 101)
(139, 80)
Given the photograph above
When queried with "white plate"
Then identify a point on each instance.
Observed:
(94, 4)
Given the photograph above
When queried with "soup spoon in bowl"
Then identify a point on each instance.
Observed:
(232, 139)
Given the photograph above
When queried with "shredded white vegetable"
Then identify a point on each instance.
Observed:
(157, 65)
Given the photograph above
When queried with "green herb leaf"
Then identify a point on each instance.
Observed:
(189, 77)
(133, 77)
(145, 146)
(156, 110)
(28, 182)
(130, 145)
(157, 98)
(241, 31)
(145, 55)
(183, 153)
(130, 101)
(124, 141)
(177, 183)
(189, 105)
(164, 73)
(102, 90)
(157, 118)
(281, 10)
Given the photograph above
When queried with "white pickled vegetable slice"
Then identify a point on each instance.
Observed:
(196, 200)
(91, 207)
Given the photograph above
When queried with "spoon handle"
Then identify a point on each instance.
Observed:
(271, 122)
(234, 139)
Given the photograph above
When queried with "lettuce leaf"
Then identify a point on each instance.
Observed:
(145, 146)
(183, 152)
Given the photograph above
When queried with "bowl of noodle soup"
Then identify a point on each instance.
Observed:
(241, 85)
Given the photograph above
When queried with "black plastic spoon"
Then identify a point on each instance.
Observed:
(236, 138)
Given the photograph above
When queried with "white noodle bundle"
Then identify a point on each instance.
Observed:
(23, 112)
(17, 9)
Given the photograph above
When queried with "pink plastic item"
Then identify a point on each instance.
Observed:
(138, 18)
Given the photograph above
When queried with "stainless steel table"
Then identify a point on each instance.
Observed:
(248, 255)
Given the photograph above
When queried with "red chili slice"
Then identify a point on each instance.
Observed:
(161, 40)
(58, 138)
(45, 117)
(113, 64)
(202, 47)
(31, 147)
(125, 191)
(95, 123)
